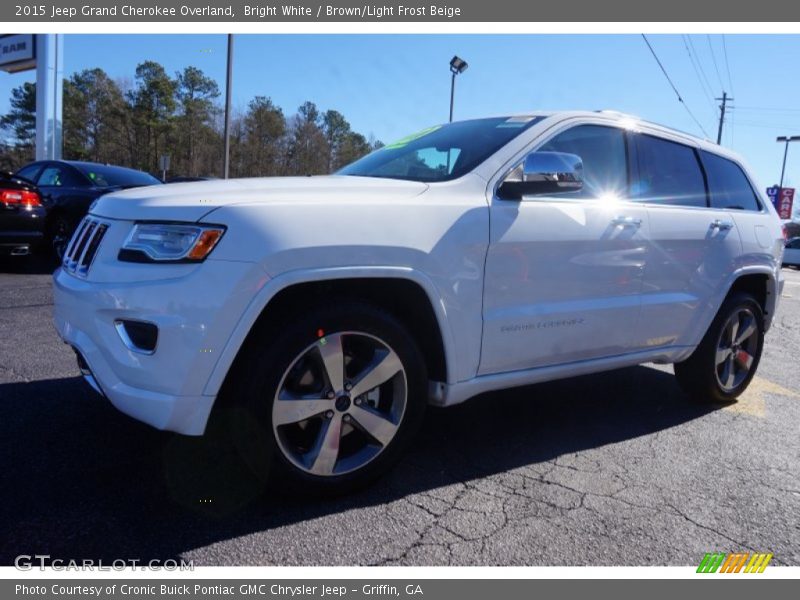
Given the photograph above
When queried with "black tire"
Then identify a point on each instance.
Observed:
(701, 375)
(59, 231)
(264, 367)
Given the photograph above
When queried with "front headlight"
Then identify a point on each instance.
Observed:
(170, 242)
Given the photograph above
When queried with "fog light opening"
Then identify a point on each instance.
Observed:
(138, 336)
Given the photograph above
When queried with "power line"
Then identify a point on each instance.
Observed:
(769, 108)
(707, 91)
(700, 64)
(727, 64)
(672, 85)
(714, 60)
(761, 125)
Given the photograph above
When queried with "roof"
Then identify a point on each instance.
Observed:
(634, 122)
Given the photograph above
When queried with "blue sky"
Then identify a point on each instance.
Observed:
(391, 85)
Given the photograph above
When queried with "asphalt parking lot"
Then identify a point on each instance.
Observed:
(611, 469)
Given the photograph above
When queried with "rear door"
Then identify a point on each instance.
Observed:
(693, 246)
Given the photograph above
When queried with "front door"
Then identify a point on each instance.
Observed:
(564, 271)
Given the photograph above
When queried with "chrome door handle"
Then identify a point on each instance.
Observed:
(721, 225)
(626, 221)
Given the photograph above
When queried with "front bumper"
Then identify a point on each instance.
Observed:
(195, 314)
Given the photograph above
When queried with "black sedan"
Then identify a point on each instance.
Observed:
(67, 188)
(22, 216)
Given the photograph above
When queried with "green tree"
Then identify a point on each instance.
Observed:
(94, 114)
(152, 104)
(353, 147)
(337, 131)
(262, 147)
(20, 121)
(309, 152)
(196, 112)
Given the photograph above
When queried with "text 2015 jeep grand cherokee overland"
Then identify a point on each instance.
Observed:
(469, 257)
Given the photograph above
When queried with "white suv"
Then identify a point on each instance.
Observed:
(326, 312)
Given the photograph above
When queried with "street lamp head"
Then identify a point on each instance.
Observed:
(783, 138)
(458, 65)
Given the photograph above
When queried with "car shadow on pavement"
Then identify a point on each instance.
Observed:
(80, 480)
(35, 264)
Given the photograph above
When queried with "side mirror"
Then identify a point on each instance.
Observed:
(543, 173)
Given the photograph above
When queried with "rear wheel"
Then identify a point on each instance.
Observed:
(724, 363)
(338, 393)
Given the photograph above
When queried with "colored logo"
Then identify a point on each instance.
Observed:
(736, 562)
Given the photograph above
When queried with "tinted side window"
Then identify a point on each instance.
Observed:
(793, 244)
(60, 176)
(727, 184)
(605, 169)
(669, 173)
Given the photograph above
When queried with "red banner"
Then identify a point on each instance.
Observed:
(785, 202)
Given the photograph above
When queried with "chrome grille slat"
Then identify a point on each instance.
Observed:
(84, 245)
(91, 248)
(81, 245)
(74, 240)
(92, 231)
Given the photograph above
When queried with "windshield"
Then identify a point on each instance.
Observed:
(442, 152)
(107, 176)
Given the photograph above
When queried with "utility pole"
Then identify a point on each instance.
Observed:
(227, 134)
(722, 114)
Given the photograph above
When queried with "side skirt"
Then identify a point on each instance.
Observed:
(444, 394)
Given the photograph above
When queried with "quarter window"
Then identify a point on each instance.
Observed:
(602, 150)
(29, 172)
(727, 184)
(669, 173)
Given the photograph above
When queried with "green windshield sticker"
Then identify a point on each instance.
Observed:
(410, 138)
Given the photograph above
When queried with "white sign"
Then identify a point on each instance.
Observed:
(17, 52)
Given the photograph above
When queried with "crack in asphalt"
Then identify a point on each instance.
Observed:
(531, 488)
(18, 306)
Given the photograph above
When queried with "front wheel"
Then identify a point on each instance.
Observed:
(339, 394)
(61, 230)
(724, 363)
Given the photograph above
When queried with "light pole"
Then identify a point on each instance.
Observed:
(457, 66)
(787, 139)
(226, 161)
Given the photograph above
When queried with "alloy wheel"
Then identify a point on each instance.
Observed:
(340, 403)
(736, 349)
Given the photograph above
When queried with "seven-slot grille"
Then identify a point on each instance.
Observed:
(83, 246)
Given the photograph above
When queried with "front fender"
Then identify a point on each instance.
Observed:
(272, 287)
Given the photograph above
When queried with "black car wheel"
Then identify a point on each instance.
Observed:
(338, 393)
(724, 363)
(61, 230)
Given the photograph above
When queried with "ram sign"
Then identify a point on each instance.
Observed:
(17, 52)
